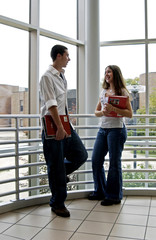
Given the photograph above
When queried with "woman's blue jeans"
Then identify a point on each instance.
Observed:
(62, 158)
(108, 140)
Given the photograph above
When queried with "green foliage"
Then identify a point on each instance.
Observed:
(131, 81)
(138, 175)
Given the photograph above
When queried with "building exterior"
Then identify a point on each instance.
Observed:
(15, 100)
(152, 87)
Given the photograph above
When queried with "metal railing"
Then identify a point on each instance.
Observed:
(23, 175)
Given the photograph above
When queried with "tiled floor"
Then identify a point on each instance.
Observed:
(134, 218)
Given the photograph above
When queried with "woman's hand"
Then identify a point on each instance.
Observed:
(108, 108)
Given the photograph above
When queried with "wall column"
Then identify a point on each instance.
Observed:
(92, 54)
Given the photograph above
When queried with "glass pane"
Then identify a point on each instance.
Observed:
(131, 60)
(16, 9)
(45, 60)
(14, 70)
(152, 79)
(121, 20)
(59, 16)
(151, 18)
(70, 71)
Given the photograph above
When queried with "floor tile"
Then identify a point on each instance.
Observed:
(128, 209)
(4, 226)
(113, 208)
(83, 204)
(132, 219)
(26, 210)
(152, 211)
(102, 217)
(11, 217)
(129, 231)
(116, 238)
(65, 224)
(84, 236)
(153, 202)
(95, 228)
(152, 221)
(78, 214)
(50, 234)
(5, 237)
(136, 200)
(150, 233)
(24, 232)
(35, 221)
(43, 210)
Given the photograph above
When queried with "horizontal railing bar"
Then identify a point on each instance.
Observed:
(140, 180)
(35, 164)
(128, 138)
(140, 143)
(141, 137)
(138, 159)
(30, 140)
(134, 115)
(140, 148)
(7, 142)
(71, 115)
(8, 116)
(130, 148)
(9, 129)
(23, 178)
(7, 193)
(20, 154)
(127, 126)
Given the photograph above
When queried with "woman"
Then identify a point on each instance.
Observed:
(110, 138)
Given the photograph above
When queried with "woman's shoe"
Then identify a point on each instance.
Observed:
(109, 202)
(93, 196)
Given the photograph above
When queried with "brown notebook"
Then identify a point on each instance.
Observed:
(50, 127)
(119, 102)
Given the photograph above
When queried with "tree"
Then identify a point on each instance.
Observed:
(131, 81)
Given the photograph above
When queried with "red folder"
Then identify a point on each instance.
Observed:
(50, 127)
(118, 102)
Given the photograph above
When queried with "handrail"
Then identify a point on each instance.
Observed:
(24, 175)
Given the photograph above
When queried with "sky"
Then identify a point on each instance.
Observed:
(121, 24)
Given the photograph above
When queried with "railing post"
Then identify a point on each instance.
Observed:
(147, 152)
(17, 157)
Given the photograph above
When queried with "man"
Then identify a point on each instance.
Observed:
(63, 154)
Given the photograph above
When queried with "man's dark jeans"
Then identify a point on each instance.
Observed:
(62, 158)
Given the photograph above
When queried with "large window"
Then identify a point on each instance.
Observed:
(14, 56)
(152, 78)
(45, 60)
(59, 16)
(151, 18)
(14, 69)
(121, 20)
(15, 9)
(126, 29)
(130, 58)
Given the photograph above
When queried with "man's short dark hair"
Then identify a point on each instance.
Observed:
(57, 49)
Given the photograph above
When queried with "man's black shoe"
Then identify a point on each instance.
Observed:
(93, 196)
(62, 212)
(109, 202)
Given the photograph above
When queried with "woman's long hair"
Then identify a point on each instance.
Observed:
(118, 80)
